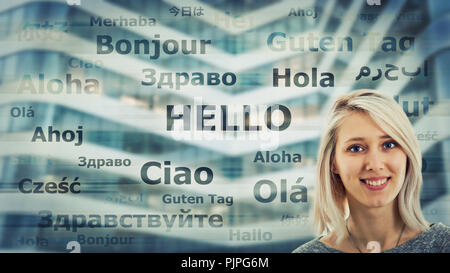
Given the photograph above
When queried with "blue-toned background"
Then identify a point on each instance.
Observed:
(126, 120)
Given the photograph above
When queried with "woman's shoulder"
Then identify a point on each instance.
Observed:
(441, 229)
(436, 239)
(314, 246)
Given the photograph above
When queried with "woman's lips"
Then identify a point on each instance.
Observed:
(376, 183)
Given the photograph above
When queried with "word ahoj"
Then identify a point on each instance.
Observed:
(67, 135)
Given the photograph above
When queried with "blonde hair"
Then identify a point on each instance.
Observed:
(330, 205)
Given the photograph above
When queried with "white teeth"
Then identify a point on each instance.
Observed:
(377, 182)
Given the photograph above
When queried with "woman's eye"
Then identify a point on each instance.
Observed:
(355, 149)
(389, 145)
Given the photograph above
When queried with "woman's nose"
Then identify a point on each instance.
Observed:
(374, 160)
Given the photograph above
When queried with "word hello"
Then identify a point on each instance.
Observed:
(275, 158)
(20, 112)
(183, 175)
(56, 86)
(67, 135)
(301, 195)
(425, 106)
(302, 79)
(201, 116)
(253, 235)
(50, 187)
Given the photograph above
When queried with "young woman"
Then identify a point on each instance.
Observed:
(368, 182)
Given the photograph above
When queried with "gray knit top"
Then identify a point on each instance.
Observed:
(436, 239)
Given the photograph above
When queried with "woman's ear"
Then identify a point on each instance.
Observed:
(334, 169)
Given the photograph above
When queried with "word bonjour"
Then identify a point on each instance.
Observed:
(169, 47)
(301, 195)
(190, 199)
(183, 175)
(276, 158)
(67, 135)
(104, 240)
(56, 86)
(50, 187)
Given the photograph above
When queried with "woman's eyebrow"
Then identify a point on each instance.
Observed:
(361, 138)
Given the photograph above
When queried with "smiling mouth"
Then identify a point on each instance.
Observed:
(376, 182)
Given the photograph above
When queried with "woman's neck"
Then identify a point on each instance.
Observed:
(383, 225)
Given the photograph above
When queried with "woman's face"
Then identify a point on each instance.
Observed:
(370, 163)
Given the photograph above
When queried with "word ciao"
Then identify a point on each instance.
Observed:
(67, 135)
(169, 47)
(56, 86)
(279, 41)
(84, 64)
(50, 187)
(183, 175)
